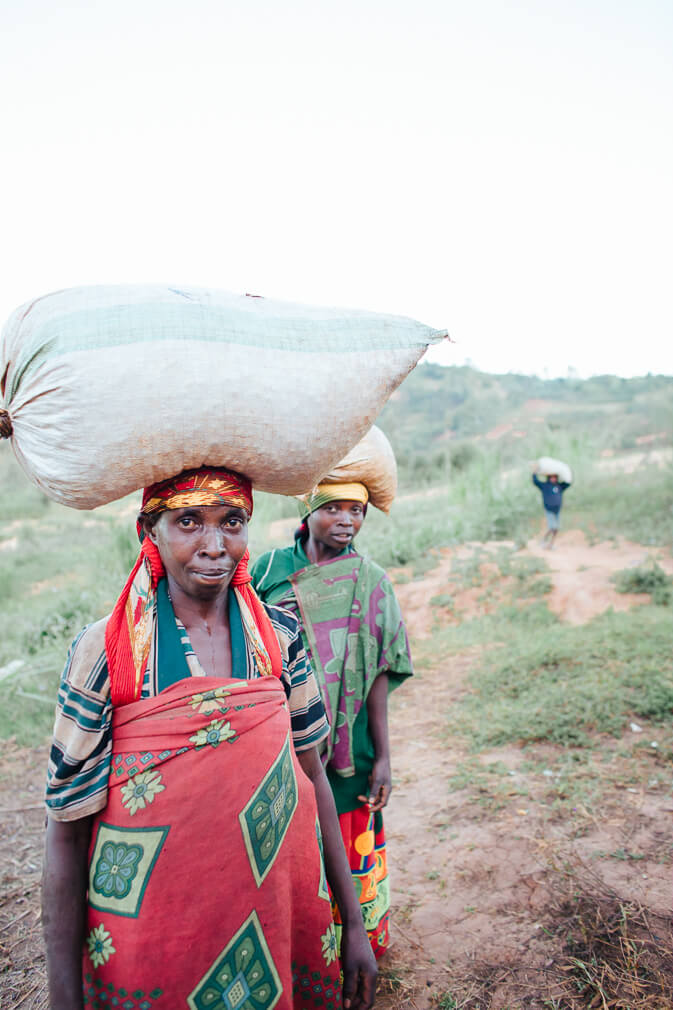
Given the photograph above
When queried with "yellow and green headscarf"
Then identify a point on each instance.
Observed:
(323, 493)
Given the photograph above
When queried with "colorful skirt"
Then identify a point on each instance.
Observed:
(207, 886)
(365, 844)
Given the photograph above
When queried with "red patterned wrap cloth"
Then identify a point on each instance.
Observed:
(207, 885)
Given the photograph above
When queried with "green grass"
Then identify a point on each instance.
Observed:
(637, 506)
(648, 578)
(541, 680)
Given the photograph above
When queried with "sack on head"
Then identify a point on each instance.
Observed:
(372, 463)
(547, 465)
(108, 389)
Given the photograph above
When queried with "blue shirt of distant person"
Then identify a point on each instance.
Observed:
(552, 498)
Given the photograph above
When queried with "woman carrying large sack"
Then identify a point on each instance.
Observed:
(358, 647)
(188, 807)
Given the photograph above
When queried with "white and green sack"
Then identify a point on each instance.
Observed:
(108, 389)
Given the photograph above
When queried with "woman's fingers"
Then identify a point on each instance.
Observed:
(359, 968)
(378, 797)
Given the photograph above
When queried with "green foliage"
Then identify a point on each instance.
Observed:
(440, 414)
(648, 578)
(18, 498)
(546, 681)
(446, 1002)
(637, 506)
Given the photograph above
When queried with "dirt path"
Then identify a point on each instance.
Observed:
(580, 574)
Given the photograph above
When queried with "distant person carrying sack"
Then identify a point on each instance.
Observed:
(552, 499)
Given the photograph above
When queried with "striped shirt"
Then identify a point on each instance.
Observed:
(81, 750)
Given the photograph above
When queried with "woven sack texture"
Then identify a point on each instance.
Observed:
(111, 388)
(372, 463)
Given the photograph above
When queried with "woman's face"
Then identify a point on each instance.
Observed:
(336, 523)
(200, 546)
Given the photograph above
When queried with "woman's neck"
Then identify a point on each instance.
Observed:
(194, 612)
(316, 551)
(207, 624)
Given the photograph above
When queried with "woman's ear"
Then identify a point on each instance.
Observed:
(149, 522)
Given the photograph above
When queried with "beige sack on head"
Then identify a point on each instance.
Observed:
(109, 389)
(372, 463)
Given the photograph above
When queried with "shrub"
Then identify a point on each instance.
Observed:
(648, 578)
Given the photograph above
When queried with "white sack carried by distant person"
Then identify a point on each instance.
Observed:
(372, 463)
(109, 389)
(547, 465)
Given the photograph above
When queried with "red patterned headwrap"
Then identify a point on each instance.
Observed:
(207, 486)
(128, 634)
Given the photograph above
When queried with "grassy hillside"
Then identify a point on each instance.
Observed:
(60, 569)
(441, 417)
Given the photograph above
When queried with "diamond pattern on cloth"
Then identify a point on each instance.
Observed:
(243, 977)
(266, 817)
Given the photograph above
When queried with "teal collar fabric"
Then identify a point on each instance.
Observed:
(173, 644)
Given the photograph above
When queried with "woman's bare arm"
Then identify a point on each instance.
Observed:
(64, 886)
(380, 779)
(357, 958)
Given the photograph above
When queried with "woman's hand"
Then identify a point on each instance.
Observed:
(359, 967)
(380, 785)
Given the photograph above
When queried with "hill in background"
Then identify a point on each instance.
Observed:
(441, 417)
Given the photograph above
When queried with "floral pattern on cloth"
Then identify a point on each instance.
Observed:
(213, 734)
(228, 833)
(116, 868)
(100, 945)
(141, 790)
(209, 701)
(329, 944)
(313, 989)
(100, 996)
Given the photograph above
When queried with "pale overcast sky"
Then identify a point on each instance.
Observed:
(500, 169)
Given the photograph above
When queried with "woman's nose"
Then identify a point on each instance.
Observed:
(213, 542)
